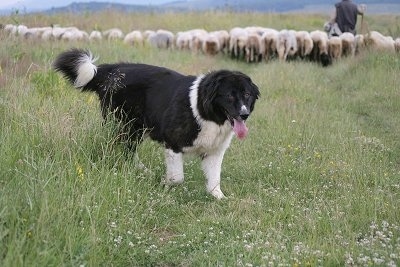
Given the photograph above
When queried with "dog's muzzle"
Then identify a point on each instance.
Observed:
(244, 113)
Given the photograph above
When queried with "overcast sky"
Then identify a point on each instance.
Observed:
(45, 4)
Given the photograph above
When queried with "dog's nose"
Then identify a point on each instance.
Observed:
(244, 115)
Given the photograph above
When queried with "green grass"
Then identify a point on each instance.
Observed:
(316, 182)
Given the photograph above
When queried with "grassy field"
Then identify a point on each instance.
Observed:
(316, 182)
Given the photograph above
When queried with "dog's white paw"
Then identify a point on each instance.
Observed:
(143, 167)
(173, 180)
(217, 193)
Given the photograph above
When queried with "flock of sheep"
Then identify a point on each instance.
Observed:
(252, 44)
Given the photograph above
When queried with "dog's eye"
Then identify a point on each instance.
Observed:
(230, 97)
(246, 95)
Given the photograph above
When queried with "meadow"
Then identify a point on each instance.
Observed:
(315, 183)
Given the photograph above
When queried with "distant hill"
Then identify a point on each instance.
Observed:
(232, 5)
(77, 7)
(374, 6)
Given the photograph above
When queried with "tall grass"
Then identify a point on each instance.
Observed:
(316, 183)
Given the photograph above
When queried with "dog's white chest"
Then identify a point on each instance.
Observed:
(211, 138)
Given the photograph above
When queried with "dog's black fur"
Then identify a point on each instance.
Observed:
(157, 99)
(187, 114)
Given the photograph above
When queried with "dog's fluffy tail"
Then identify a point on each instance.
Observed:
(77, 66)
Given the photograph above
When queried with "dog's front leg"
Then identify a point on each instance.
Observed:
(211, 165)
(174, 165)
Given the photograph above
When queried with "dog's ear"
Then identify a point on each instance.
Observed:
(257, 91)
(209, 84)
(253, 88)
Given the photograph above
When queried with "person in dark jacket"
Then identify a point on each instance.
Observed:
(345, 15)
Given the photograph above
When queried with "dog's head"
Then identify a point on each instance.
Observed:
(326, 60)
(228, 95)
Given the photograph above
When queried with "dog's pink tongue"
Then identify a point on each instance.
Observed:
(240, 129)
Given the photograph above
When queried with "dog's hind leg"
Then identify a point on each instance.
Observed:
(174, 164)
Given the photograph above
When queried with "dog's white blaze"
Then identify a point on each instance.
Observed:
(244, 109)
(85, 70)
(174, 164)
(193, 97)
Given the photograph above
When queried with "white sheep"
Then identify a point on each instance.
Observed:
(237, 42)
(10, 29)
(48, 35)
(287, 44)
(161, 39)
(147, 33)
(223, 38)
(113, 34)
(22, 30)
(183, 40)
(134, 38)
(58, 31)
(95, 36)
(196, 43)
(255, 30)
(30, 33)
(74, 35)
(35, 33)
(377, 41)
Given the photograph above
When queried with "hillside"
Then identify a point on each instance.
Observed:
(374, 6)
(260, 5)
(238, 6)
(98, 6)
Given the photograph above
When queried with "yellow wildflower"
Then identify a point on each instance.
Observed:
(79, 171)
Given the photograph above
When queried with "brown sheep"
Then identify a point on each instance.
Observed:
(397, 44)
(210, 44)
(304, 43)
(335, 47)
(253, 48)
(270, 41)
(348, 44)
(320, 51)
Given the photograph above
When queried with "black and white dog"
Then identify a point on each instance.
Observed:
(187, 114)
